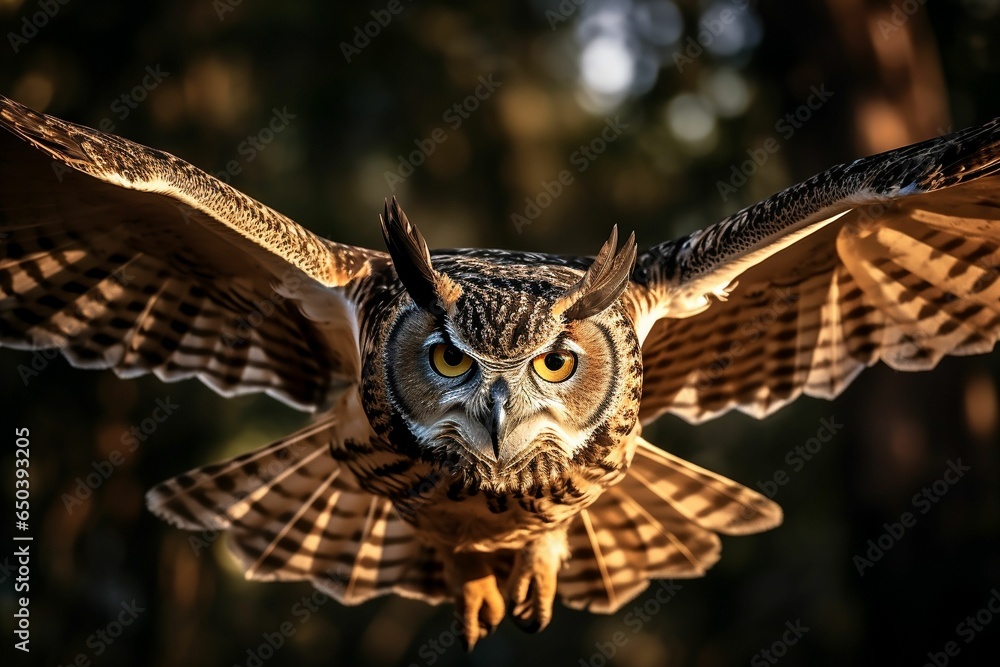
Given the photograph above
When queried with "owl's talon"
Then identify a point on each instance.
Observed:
(528, 624)
(533, 582)
(481, 607)
(532, 609)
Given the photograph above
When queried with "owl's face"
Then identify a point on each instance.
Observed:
(507, 411)
(496, 382)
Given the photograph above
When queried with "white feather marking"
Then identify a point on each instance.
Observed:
(362, 543)
(239, 509)
(599, 558)
(678, 544)
(691, 298)
(291, 522)
(265, 451)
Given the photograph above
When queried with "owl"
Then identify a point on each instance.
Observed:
(479, 413)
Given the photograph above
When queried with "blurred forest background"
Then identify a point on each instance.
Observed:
(695, 90)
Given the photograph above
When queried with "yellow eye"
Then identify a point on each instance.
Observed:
(555, 366)
(450, 361)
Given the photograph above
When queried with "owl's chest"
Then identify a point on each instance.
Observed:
(446, 509)
(490, 520)
(481, 520)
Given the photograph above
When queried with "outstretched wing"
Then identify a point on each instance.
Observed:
(894, 257)
(126, 257)
(294, 512)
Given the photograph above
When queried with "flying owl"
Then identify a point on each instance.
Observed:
(479, 412)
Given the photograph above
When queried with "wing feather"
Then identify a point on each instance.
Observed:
(293, 512)
(892, 258)
(128, 258)
(659, 522)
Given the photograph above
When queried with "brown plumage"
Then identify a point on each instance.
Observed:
(480, 411)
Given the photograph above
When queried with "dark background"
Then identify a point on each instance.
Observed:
(895, 78)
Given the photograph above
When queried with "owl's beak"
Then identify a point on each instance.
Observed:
(499, 392)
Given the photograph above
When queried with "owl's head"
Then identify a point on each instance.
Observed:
(506, 372)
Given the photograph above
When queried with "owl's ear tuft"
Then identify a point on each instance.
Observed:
(602, 284)
(432, 291)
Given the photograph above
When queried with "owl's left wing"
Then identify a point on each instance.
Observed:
(893, 257)
(125, 257)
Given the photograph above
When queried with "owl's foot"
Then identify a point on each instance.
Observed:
(534, 579)
(480, 603)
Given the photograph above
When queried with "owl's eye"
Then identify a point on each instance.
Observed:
(450, 361)
(555, 366)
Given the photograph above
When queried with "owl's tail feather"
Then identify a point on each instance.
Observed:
(659, 522)
(295, 513)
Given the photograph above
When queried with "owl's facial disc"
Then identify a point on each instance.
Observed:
(496, 411)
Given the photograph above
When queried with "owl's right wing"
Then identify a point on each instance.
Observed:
(129, 258)
(894, 257)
